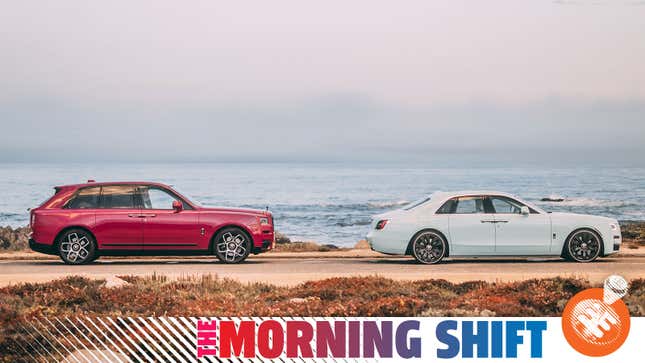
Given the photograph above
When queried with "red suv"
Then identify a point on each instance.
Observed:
(84, 221)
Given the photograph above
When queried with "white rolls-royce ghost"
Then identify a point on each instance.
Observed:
(485, 223)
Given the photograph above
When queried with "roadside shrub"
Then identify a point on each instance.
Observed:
(209, 295)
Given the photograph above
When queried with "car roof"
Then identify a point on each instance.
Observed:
(471, 192)
(93, 184)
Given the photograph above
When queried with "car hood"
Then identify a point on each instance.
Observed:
(234, 210)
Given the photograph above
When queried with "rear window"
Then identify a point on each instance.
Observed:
(448, 207)
(86, 198)
(463, 205)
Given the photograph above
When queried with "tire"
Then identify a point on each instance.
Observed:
(583, 245)
(77, 247)
(428, 247)
(232, 245)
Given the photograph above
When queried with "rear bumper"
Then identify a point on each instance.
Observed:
(42, 248)
(386, 242)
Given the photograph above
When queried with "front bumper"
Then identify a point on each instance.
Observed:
(266, 246)
(617, 240)
(42, 248)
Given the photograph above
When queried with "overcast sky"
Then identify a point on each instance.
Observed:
(323, 81)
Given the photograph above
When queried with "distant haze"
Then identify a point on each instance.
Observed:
(490, 82)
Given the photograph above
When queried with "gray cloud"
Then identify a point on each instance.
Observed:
(324, 129)
(330, 81)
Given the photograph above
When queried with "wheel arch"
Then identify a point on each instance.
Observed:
(62, 231)
(564, 252)
(408, 250)
(244, 229)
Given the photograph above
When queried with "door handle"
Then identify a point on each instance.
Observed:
(134, 215)
(501, 221)
(487, 221)
(148, 215)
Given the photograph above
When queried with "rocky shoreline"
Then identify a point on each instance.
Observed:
(633, 232)
(14, 239)
(17, 239)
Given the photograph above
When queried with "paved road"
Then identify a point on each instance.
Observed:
(291, 271)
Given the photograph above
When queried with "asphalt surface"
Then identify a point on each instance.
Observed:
(292, 271)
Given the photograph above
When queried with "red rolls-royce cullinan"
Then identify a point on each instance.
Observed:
(84, 221)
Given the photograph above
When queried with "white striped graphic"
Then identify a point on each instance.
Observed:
(84, 339)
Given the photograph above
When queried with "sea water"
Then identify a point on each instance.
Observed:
(333, 203)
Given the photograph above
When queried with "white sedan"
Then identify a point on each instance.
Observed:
(485, 223)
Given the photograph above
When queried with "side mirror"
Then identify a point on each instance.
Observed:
(524, 210)
(177, 206)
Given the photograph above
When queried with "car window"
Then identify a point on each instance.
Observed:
(118, 196)
(86, 198)
(505, 205)
(448, 207)
(155, 198)
(469, 205)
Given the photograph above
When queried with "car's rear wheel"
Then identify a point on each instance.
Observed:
(428, 247)
(583, 246)
(77, 247)
(232, 245)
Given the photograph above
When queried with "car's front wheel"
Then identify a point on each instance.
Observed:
(428, 247)
(232, 245)
(583, 246)
(77, 247)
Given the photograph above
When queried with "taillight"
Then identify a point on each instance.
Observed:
(32, 221)
(381, 224)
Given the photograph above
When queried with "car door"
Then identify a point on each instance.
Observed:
(165, 228)
(118, 225)
(472, 231)
(517, 233)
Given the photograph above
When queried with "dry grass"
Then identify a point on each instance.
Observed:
(359, 296)
(305, 247)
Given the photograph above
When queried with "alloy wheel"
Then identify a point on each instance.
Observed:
(584, 246)
(232, 246)
(76, 247)
(428, 247)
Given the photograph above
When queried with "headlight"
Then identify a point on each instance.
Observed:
(264, 220)
(613, 226)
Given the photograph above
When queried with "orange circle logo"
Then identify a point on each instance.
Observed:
(594, 323)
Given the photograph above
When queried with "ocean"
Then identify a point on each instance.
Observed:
(332, 203)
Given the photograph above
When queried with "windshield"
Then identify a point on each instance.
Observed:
(416, 203)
